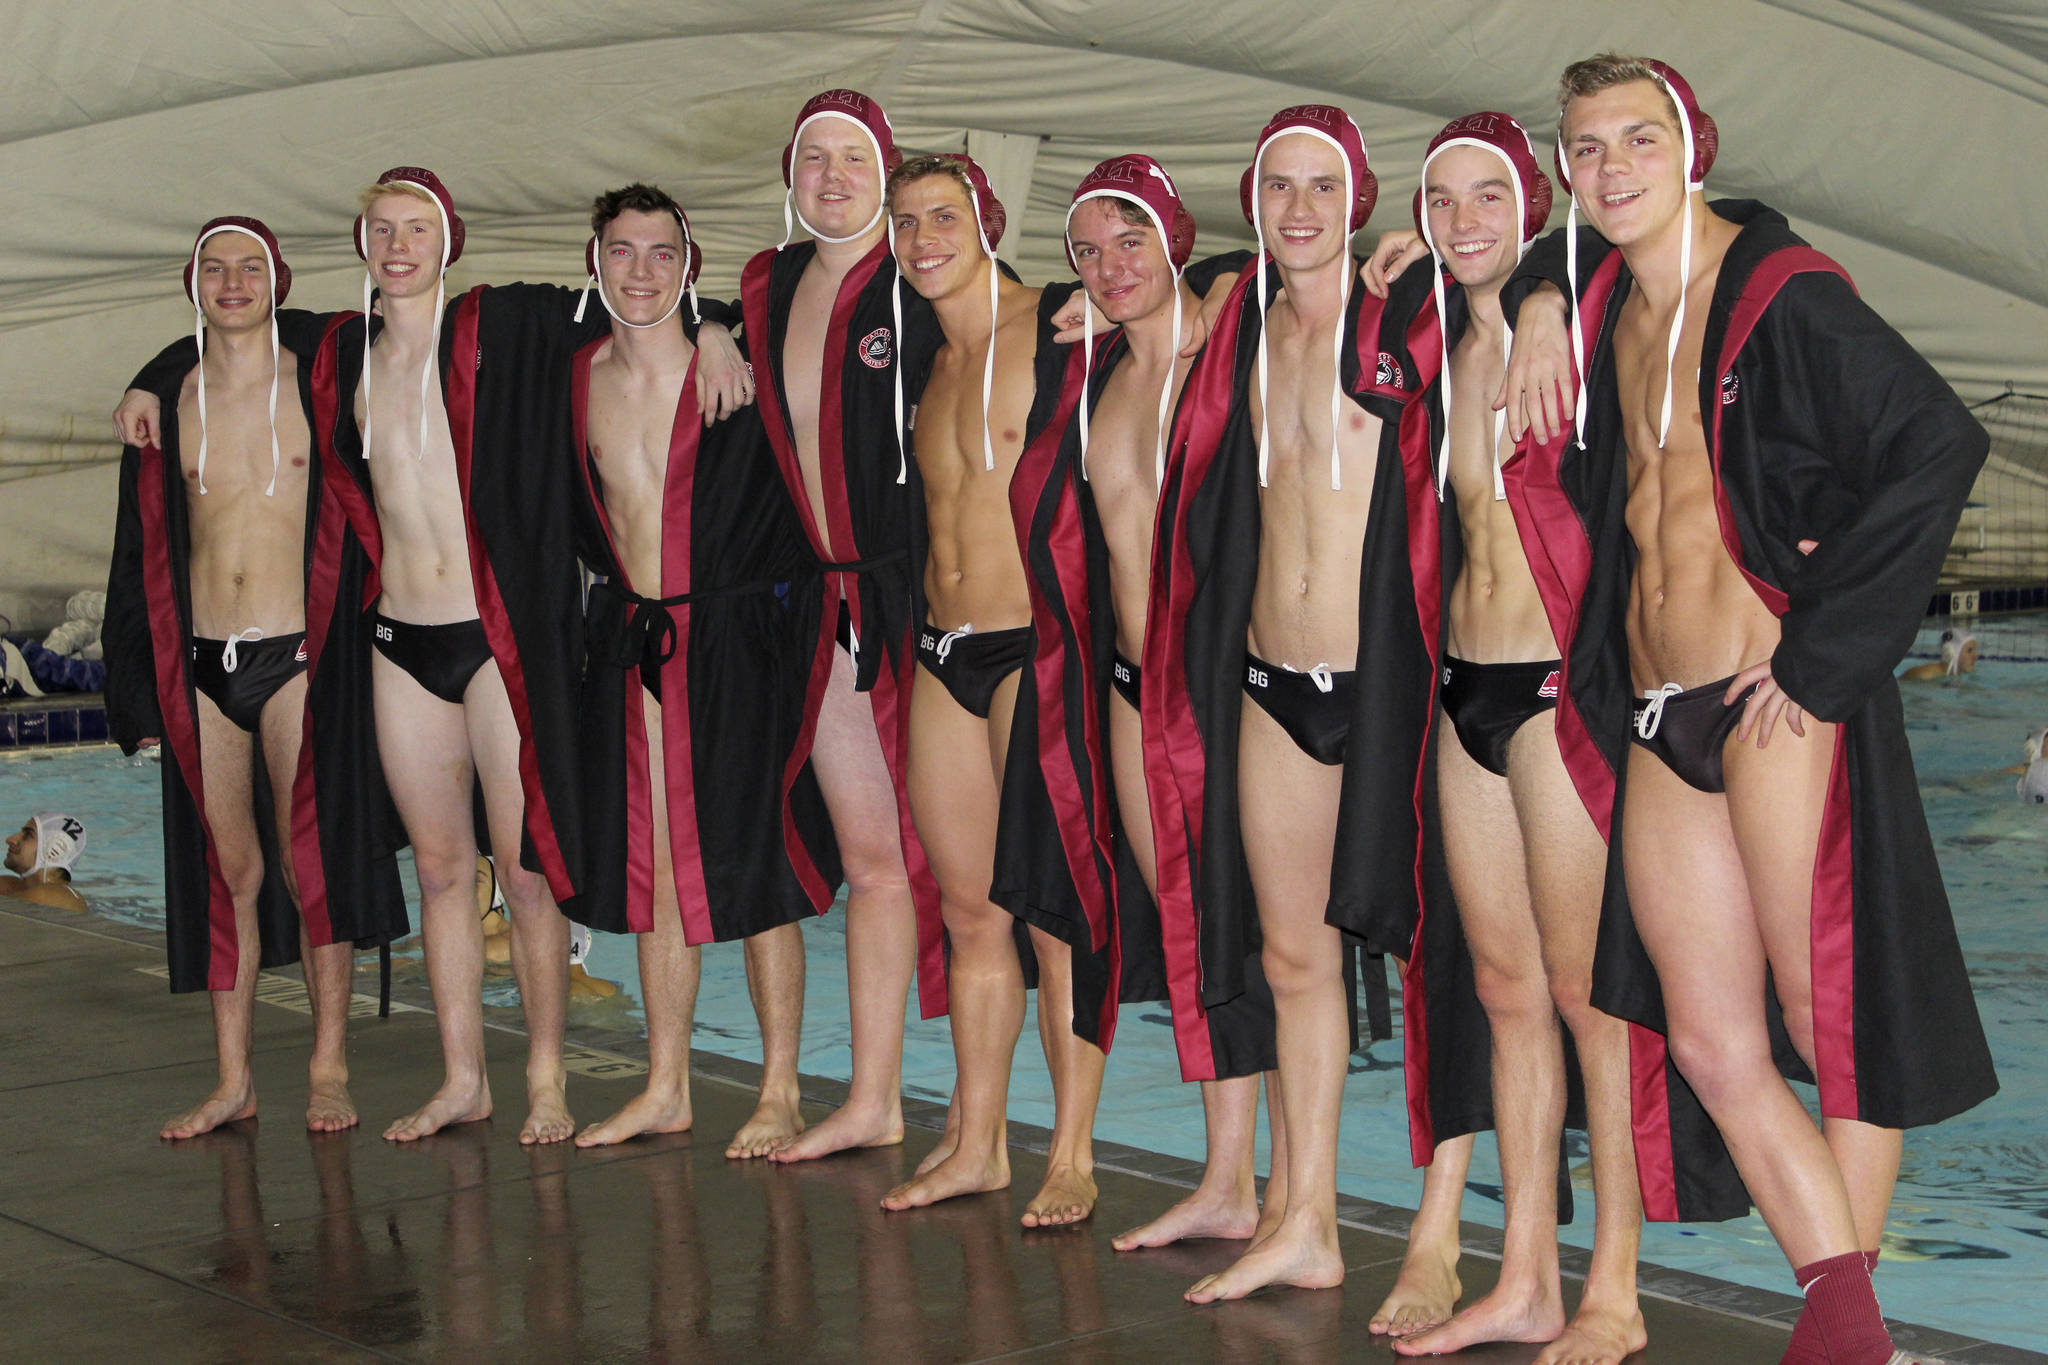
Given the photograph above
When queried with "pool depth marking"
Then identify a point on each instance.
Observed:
(290, 993)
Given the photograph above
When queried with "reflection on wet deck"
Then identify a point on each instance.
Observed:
(262, 1242)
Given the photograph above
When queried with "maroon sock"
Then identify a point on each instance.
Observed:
(1846, 1327)
(1805, 1347)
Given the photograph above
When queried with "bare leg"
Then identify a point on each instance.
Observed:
(1289, 815)
(1428, 1288)
(225, 757)
(954, 788)
(881, 921)
(669, 973)
(540, 935)
(1226, 1202)
(775, 981)
(1068, 1194)
(328, 968)
(1692, 902)
(1567, 871)
(425, 750)
(1483, 847)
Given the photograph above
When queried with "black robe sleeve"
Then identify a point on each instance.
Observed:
(132, 712)
(1900, 440)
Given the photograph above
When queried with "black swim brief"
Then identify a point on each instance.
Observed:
(441, 659)
(1688, 729)
(973, 664)
(1314, 708)
(242, 673)
(1488, 703)
(1124, 676)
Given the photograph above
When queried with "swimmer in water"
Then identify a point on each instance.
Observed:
(41, 853)
(1958, 656)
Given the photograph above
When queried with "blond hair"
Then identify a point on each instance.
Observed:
(370, 194)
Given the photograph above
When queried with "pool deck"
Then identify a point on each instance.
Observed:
(264, 1242)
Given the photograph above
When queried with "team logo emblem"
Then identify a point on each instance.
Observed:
(1731, 388)
(1387, 373)
(1549, 688)
(877, 349)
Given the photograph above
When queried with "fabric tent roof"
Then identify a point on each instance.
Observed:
(1905, 138)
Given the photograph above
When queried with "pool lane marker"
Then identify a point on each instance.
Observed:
(290, 993)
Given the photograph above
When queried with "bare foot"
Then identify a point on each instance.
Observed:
(547, 1113)
(1067, 1196)
(646, 1112)
(949, 1138)
(1424, 1296)
(843, 1131)
(450, 1105)
(774, 1123)
(210, 1113)
(328, 1107)
(1507, 1314)
(1598, 1335)
(1201, 1214)
(951, 1178)
(1305, 1258)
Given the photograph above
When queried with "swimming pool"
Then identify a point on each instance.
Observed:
(1974, 1189)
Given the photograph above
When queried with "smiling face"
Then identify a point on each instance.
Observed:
(936, 236)
(1123, 264)
(1475, 217)
(1304, 201)
(836, 178)
(404, 237)
(21, 849)
(232, 281)
(1627, 162)
(641, 259)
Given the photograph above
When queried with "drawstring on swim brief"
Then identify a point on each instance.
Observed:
(1652, 715)
(240, 637)
(945, 645)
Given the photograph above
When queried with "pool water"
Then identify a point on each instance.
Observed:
(1973, 1190)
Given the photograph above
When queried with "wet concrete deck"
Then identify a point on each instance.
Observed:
(263, 1242)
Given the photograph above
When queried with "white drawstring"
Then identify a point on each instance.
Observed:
(945, 644)
(199, 338)
(228, 659)
(1652, 715)
(988, 369)
(1336, 341)
(1321, 676)
(896, 363)
(434, 342)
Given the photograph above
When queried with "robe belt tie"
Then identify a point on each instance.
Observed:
(648, 633)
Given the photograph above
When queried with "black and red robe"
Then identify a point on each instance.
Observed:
(1069, 564)
(735, 613)
(873, 507)
(1821, 423)
(345, 831)
(1389, 891)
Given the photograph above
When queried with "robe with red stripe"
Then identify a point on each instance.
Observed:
(345, 831)
(1389, 890)
(873, 507)
(1068, 558)
(1821, 423)
(732, 692)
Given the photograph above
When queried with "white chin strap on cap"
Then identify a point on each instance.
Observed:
(199, 337)
(1088, 338)
(1690, 154)
(597, 282)
(434, 342)
(792, 218)
(896, 363)
(988, 369)
(1500, 418)
(1343, 313)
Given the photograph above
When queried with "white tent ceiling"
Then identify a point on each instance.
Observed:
(1905, 138)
